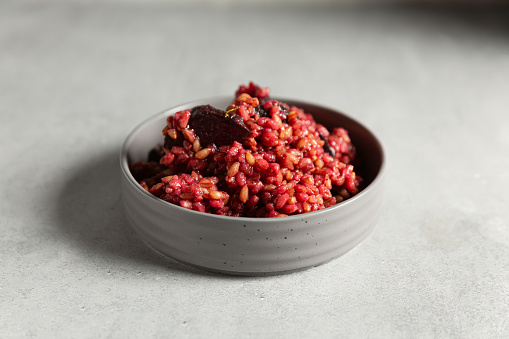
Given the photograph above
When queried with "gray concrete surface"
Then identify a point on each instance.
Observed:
(433, 84)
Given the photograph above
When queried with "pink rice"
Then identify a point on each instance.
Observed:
(290, 164)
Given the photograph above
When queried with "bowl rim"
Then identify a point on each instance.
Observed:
(124, 164)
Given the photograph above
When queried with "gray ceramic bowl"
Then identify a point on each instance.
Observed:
(253, 246)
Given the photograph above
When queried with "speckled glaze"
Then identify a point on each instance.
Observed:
(253, 246)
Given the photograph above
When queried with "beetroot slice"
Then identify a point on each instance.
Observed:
(214, 126)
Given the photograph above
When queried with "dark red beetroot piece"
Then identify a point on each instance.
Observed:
(214, 126)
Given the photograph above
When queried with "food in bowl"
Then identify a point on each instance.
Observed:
(247, 245)
(260, 157)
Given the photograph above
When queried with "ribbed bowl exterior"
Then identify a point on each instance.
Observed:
(246, 246)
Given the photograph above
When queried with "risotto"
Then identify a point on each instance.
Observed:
(257, 158)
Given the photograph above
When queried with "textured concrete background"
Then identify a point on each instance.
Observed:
(433, 84)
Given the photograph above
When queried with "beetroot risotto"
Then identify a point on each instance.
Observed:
(258, 158)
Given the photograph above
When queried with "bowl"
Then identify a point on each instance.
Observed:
(253, 246)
